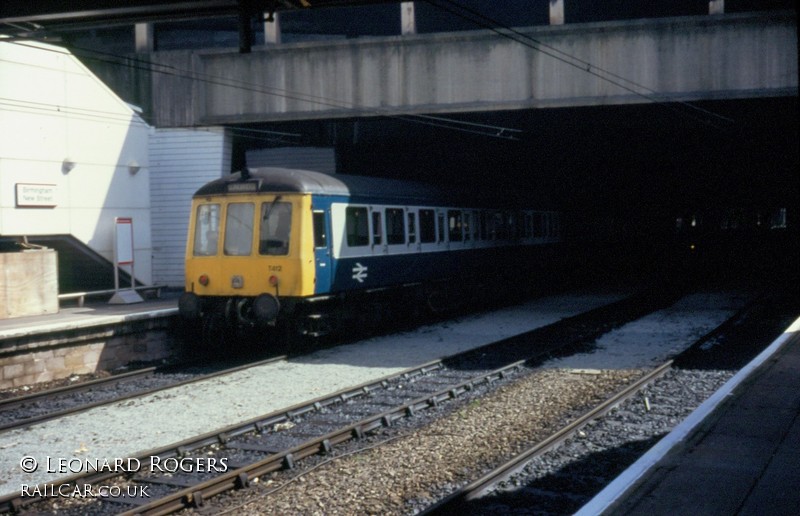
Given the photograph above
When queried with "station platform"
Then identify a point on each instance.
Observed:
(738, 453)
(85, 339)
(96, 313)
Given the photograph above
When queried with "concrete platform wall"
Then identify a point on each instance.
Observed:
(60, 354)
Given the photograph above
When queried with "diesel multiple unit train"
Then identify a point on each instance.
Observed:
(269, 247)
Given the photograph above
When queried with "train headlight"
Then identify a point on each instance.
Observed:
(204, 280)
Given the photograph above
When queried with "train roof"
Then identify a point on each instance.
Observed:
(270, 179)
(363, 189)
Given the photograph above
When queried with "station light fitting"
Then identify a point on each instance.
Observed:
(67, 165)
(133, 167)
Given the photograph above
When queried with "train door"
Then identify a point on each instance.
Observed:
(322, 250)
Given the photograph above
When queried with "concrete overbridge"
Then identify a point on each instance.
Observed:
(733, 56)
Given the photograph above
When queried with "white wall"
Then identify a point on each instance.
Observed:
(181, 161)
(54, 110)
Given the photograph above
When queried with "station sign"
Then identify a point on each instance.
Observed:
(32, 195)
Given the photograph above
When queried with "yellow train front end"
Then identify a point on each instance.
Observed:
(245, 256)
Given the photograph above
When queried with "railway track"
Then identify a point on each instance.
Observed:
(559, 474)
(294, 440)
(463, 500)
(279, 441)
(38, 407)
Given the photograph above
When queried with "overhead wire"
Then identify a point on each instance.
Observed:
(74, 112)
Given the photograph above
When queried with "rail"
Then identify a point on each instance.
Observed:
(103, 384)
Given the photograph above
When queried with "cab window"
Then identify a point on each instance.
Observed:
(206, 230)
(239, 229)
(276, 228)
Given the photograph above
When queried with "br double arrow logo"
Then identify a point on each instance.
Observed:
(359, 272)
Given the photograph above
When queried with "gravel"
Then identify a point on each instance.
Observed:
(564, 479)
(416, 466)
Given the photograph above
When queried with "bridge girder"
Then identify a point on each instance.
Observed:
(668, 60)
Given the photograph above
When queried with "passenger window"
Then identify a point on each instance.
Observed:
(515, 220)
(508, 226)
(498, 230)
(357, 226)
(441, 227)
(538, 225)
(206, 230)
(320, 232)
(239, 229)
(276, 227)
(455, 225)
(395, 229)
(467, 226)
(427, 226)
(377, 233)
(528, 224)
(511, 225)
(546, 224)
(412, 228)
(491, 230)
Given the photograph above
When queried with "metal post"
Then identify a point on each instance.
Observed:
(124, 250)
(144, 38)
(245, 27)
(408, 20)
(556, 12)
(272, 28)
